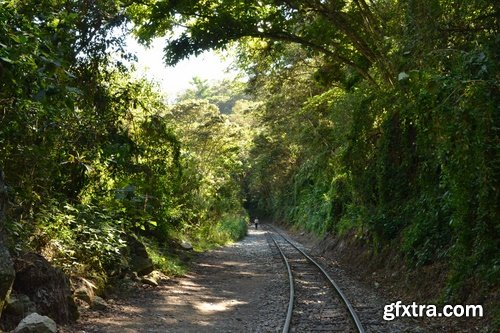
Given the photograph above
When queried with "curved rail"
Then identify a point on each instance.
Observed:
(288, 319)
(349, 306)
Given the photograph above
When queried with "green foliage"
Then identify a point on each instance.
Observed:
(235, 226)
(379, 117)
(163, 258)
(229, 228)
(346, 33)
(225, 94)
(91, 154)
(415, 162)
(82, 239)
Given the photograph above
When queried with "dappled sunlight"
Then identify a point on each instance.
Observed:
(258, 232)
(249, 274)
(211, 308)
(188, 281)
(186, 285)
(211, 265)
(222, 290)
(235, 263)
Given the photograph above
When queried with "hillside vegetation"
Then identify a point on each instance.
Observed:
(379, 118)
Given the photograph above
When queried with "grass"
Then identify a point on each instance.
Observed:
(226, 230)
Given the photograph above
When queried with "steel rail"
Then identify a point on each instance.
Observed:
(348, 304)
(288, 319)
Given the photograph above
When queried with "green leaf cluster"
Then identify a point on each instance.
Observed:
(408, 159)
(375, 117)
(92, 155)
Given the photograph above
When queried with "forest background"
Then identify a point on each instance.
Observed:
(375, 118)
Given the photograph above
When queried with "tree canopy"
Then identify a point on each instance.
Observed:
(378, 115)
(377, 118)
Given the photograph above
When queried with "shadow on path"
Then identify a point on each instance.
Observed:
(232, 289)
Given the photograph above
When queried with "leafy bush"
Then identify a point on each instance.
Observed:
(163, 258)
(227, 229)
(81, 239)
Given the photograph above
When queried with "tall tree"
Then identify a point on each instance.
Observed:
(350, 34)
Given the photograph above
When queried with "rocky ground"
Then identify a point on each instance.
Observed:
(238, 288)
(233, 289)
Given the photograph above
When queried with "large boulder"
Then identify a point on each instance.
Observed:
(34, 323)
(46, 286)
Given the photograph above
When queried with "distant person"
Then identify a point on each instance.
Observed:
(256, 222)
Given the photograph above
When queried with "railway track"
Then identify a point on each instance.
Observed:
(316, 302)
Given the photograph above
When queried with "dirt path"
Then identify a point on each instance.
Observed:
(231, 289)
(238, 288)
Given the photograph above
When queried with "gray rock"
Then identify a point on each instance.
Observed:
(150, 280)
(84, 294)
(46, 286)
(186, 245)
(99, 304)
(85, 290)
(141, 265)
(133, 276)
(153, 278)
(34, 323)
